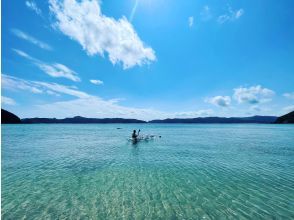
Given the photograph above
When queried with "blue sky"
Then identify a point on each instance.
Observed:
(147, 59)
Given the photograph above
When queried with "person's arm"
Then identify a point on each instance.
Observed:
(138, 132)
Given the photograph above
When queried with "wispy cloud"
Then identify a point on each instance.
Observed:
(96, 81)
(7, 101)
(84, 22)
(230, 15)
(14, 84)
(205, 13)
(191, 21)
(222, 101)
(27, 37)
(289, 95)
(53, 69)
(33, 6)
(37, 87)
(58, 70)
(23, 54)
(58, 88)
(100, 108)
(94, 107)
(134, 9)
(85, 104)
(253, 94)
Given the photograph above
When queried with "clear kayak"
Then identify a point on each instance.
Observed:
(145, 138)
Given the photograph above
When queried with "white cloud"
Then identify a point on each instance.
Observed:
(59, 70)
(205, 13)
(253, 95)
(230, 15)
(223, 101)
(191, 21)
(7, 101)
(30, 39)
(96, 81)
(289, 95)
(84, 22)
(33, 6)
(239, 13)
(55, 69)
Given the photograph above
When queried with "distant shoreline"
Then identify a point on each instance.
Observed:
(146, 123)
(10, 118)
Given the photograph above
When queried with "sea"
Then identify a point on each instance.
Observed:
(193, 171)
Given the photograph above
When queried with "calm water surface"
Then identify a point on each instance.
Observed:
(193, 172)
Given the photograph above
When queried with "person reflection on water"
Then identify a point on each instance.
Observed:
(135, 136)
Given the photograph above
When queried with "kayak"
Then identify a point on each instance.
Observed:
(144, 138)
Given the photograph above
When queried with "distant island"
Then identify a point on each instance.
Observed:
(10, 118)
(83, 120)
(253, 119)
(79, 120)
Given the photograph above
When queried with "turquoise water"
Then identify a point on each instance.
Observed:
(194, 171)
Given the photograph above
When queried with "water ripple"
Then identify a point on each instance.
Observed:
(192, 172)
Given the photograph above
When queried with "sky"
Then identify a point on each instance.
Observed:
(147, 59)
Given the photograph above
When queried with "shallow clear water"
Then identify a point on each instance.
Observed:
(194, 171)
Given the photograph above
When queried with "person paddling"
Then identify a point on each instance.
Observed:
(134, 135)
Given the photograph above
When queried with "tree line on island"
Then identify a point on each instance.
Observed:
(10, 118)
